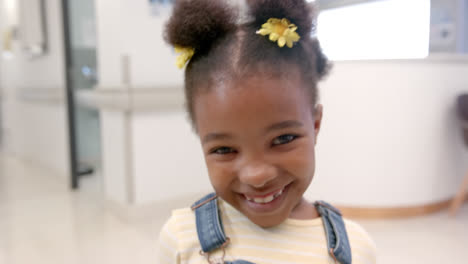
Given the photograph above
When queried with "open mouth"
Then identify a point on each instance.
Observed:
(265, 199)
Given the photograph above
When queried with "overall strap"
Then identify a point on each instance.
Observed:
(337, 238)
(210, 229)
(209, 226)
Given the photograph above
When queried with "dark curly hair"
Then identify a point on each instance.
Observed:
(227, 49)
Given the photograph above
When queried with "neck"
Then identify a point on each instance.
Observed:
(304, 210)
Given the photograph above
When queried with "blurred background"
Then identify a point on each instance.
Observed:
(95, 147)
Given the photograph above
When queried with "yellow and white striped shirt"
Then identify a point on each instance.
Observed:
(293, 241)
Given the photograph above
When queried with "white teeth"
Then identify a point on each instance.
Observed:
(268, 199)
(258, 200)
(265, 200)
(280, 193)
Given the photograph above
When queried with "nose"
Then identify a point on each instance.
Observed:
(257, 174)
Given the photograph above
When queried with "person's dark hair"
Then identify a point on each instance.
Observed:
(226, 50)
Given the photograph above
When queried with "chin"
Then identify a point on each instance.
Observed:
(267, 221)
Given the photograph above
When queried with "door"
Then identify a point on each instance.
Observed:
(80, 46)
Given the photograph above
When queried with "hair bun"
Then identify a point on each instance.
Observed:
(199, 23)
(296, 11)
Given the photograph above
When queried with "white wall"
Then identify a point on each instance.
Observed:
(390, 135)
(168, 159)
(115, 157)
(37, 130)
(126, 27)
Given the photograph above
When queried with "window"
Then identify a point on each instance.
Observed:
(387, 29)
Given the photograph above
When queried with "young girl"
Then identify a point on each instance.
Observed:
(252, 69)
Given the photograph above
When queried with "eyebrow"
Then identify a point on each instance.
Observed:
(277, 126)
(284, 124)
(215, 136)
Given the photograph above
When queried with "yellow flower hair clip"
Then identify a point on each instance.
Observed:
(185, 55)
(280, 30)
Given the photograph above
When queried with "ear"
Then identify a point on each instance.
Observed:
(318, 113)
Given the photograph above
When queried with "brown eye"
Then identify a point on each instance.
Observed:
(283, 139)
(222, 151)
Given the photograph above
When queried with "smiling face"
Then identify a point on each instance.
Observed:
(258, 137)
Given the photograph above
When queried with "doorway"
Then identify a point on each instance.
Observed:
(81, 74)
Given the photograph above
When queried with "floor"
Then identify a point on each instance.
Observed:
(42, 222)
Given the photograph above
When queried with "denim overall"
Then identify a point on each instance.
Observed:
(212, 237)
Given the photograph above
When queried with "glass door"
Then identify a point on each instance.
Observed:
(80, 45)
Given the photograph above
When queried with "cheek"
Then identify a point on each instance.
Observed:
(221, 175)
(301, 163)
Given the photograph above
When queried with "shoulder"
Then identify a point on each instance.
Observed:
(180, 222)
(177, 236)
(363, 246)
